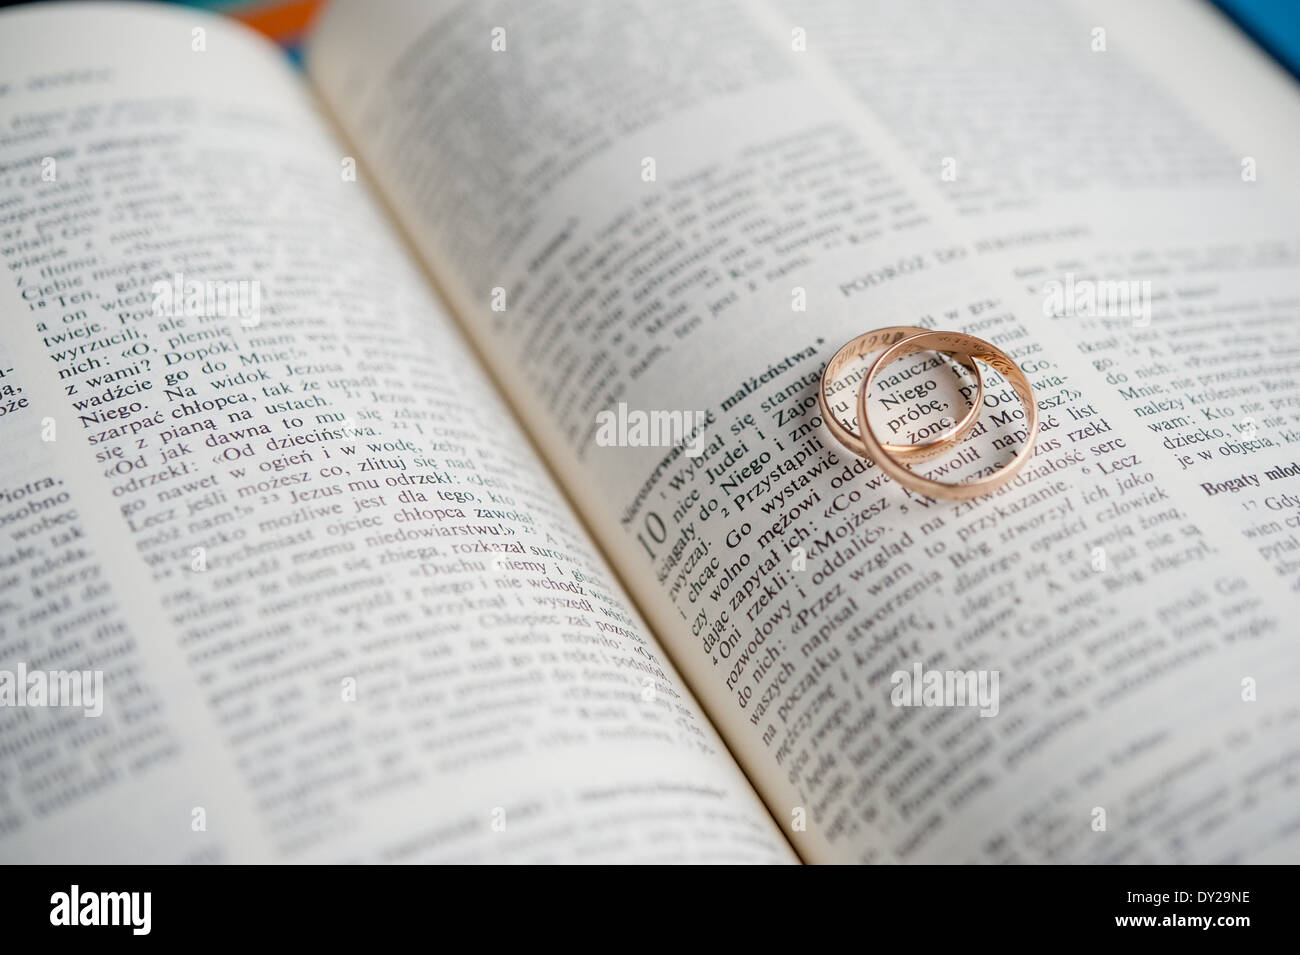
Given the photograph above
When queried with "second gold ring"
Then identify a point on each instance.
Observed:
(875, 341)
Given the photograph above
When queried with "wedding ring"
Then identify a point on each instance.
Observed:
(955, 343)
(874, 341)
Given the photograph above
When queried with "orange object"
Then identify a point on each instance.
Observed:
(280, 21)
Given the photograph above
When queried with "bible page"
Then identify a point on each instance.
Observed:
(328, 604)
(659, 208)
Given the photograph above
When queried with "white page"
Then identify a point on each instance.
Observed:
(1122, 629)
(341, 610)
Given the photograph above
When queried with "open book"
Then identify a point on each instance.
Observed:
(332, 522)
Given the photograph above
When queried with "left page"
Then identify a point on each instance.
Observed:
(327, 603)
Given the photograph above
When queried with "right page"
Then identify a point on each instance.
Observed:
(669, 207)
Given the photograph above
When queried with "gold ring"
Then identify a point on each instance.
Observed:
(873, 341)
(976, 348)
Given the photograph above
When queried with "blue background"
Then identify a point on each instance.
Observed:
(1273, 24)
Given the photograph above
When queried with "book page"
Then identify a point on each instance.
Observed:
(644, 208)
(327, 602)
